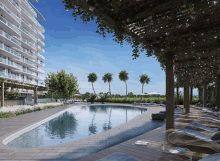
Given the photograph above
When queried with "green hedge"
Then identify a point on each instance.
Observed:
(132, 100)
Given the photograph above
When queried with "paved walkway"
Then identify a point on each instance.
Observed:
(72, 150)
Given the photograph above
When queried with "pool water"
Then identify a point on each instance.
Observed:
(75, 124)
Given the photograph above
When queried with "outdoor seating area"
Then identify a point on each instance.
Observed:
(187, 142)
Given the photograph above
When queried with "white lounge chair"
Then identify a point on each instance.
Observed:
(195, 138)
(201, 127)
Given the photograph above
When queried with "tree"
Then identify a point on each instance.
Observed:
(85, 96)
(92, 77)
(61, 84)
(123, 76)
(108, 78)
(144, 79)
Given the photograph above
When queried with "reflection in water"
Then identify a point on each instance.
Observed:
(92, 127)
(107, 126)
(58, 127)
(75, 124)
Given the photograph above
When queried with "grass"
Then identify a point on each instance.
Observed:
(10, 114)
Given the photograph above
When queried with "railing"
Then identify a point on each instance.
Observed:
(33, 19)
(40, 55)
(40, 70)
(9, 37)
(25, 61)
(2, 46)
(11, 13)
(41, 34)
(13, 76)
(10, 25)
(41, 41)
(29, 34)
(41, 26)
(27, 23)
(16, 6)
(30, 7)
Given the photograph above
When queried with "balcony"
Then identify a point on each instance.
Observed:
(40, 42)
(26, 44)
(8, 27)
(9, 15)
(28, 17)
(38, 70)
(9, 76)
(26, 53)
(8, 40)
(8, 64)
(40, 57)
(26, 34)
(40, 63)
(29, 9)
(39, 49)
(25, 63)
(40, 27)
(6, 51)
(39, 34)
(12, 6)
(28, 26)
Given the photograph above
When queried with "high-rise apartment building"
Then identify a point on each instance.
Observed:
(21, 42)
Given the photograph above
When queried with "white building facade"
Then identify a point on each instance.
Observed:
(21, 42)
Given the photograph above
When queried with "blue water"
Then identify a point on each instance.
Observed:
(75, 124)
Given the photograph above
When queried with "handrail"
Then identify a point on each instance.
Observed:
(9, 11)
(2, 46)
(9, 37)
(30, 7)
(16, 6)
(10, 25)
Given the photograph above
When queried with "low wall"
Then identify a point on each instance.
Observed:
(12, 102)
(44, 100)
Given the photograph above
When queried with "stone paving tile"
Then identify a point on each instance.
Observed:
(22, 156)
(47, 157)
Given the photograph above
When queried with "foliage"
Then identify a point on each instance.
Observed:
(61, 84)
(104, 96)
(144, 79)
(123, 76)
(91, 98)
(130, 94)
(92, 77)
(85, 96)
(108, 78)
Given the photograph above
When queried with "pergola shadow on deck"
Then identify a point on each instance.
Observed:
(154, 139)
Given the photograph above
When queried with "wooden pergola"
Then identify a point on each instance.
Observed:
(16, 84)
(174, 31)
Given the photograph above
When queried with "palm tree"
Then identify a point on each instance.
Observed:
(123, 76)
(92, 77)
(108, 78)
(144, 79)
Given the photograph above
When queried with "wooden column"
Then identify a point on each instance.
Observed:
(191, 95)
(2, 99)
(35, 95)
(204, 95)
(177, 95)
(186, 95)
(218, 91)
(169, 91)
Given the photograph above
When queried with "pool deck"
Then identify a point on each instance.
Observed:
(95, 147)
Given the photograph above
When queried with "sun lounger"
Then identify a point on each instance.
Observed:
(152, 103)
(161, 103)
(195, 138)
(200, 127)
(212, 157)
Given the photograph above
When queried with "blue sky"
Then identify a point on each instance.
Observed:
(75, 47)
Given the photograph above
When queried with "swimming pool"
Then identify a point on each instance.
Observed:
(76, 123)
